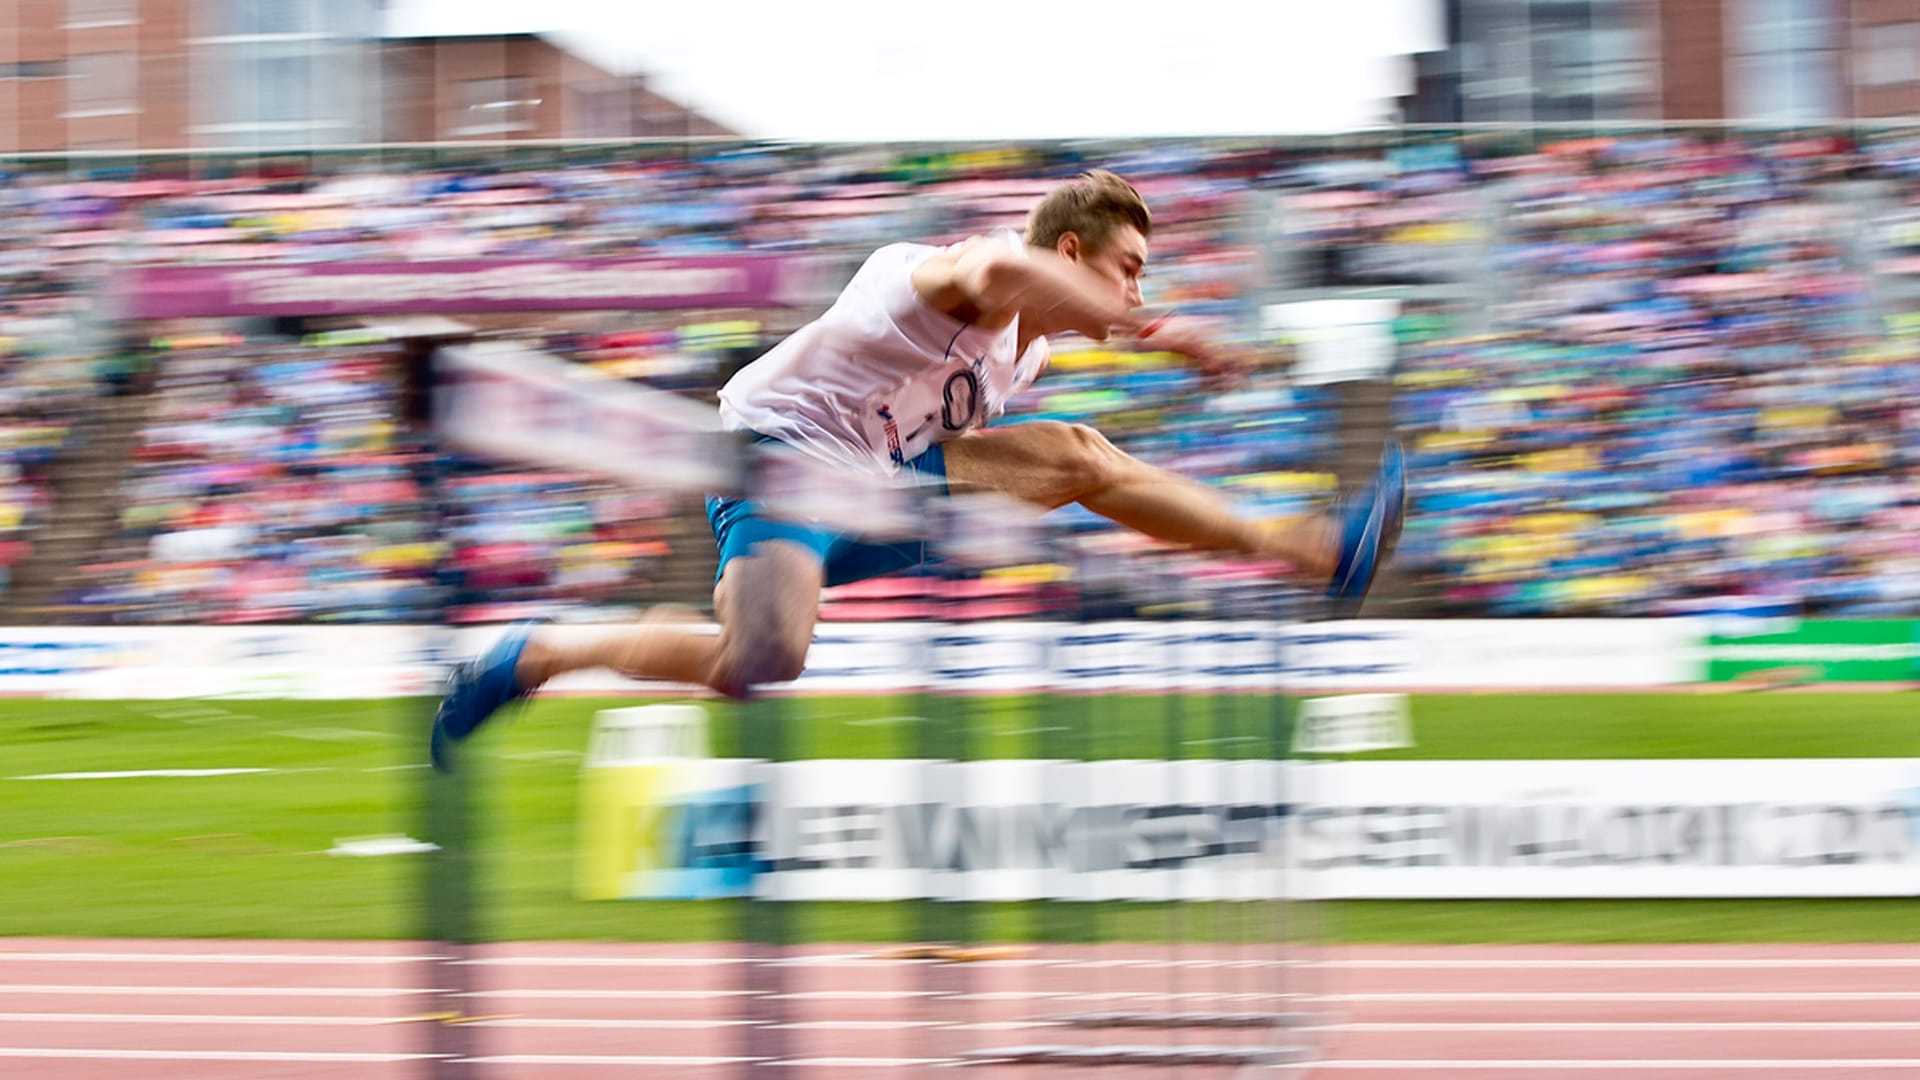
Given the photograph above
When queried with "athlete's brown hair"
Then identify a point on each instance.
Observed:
(1092, 207)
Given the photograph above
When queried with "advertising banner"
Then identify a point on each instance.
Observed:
(898, 829)
(1522, 829)
(465, 286)
(1215, 830)
(1816, 650)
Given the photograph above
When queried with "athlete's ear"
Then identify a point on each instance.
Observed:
(1068, 246)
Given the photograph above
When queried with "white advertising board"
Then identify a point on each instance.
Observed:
(1205, 830)
(1140, 657)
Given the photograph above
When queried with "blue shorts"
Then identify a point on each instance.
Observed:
(738, 528)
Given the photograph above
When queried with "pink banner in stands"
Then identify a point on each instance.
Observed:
(457, 287)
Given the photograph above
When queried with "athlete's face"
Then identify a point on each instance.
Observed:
(1121, 260)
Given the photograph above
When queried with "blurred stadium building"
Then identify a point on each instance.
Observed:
(116, 75)
(1633, 61)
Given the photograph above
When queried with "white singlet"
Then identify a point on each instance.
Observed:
(883, 374)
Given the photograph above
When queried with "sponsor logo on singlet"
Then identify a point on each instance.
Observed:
(893, 436)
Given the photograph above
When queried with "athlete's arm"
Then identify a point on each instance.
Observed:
(987, 283)
(1192, 339)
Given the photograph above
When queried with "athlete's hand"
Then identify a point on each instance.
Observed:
(1192, 339)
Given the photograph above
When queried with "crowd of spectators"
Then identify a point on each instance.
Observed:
(1690, 405)
(1685, 379)
(49, 380)
(277, 481)
(44, 395)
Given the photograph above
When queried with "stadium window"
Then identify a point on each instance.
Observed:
(101, 85)
(1786, 63)
(82, 14)
(34, 69)
(248, 18)
(283, 85)
(1889, 54)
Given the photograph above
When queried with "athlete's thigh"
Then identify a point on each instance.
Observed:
(769, 598)
(1044, 462)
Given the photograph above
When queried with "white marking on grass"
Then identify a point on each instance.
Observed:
(335, 734)
(563, 756)
(142, 774)
(190, 714)
(879, 721)
(376, 846)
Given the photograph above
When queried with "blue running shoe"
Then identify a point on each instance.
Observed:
(476, 690)
(1370, 522)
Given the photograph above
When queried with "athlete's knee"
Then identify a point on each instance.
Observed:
(745, 661)
(1088, 461)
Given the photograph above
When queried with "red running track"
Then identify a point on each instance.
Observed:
(287, 1010)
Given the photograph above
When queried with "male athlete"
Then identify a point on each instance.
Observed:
(900, 376)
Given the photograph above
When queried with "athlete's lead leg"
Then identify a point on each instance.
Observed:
(1052, 464)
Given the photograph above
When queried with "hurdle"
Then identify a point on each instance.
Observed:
(1225, 985)
(1230, 980)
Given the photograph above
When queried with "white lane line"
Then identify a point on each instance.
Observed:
(1136, 995)
(206, 1055)
(1640, 995)
(1626, 1064)
(371, 991)
(560, 1023)
(1610, 964)
(686, 1061)
(219, 1020)
(209, 991)
(189, 1019)
(835, 960)
(855, 995)
(861, 1061)
(870, 959)
(527, 994)
(606, 961)
(1146, 963)
(1575, 1026)
(1002, 995)
(616, 1025)
(209, 958)
(855, 1025)
(648, 1060)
